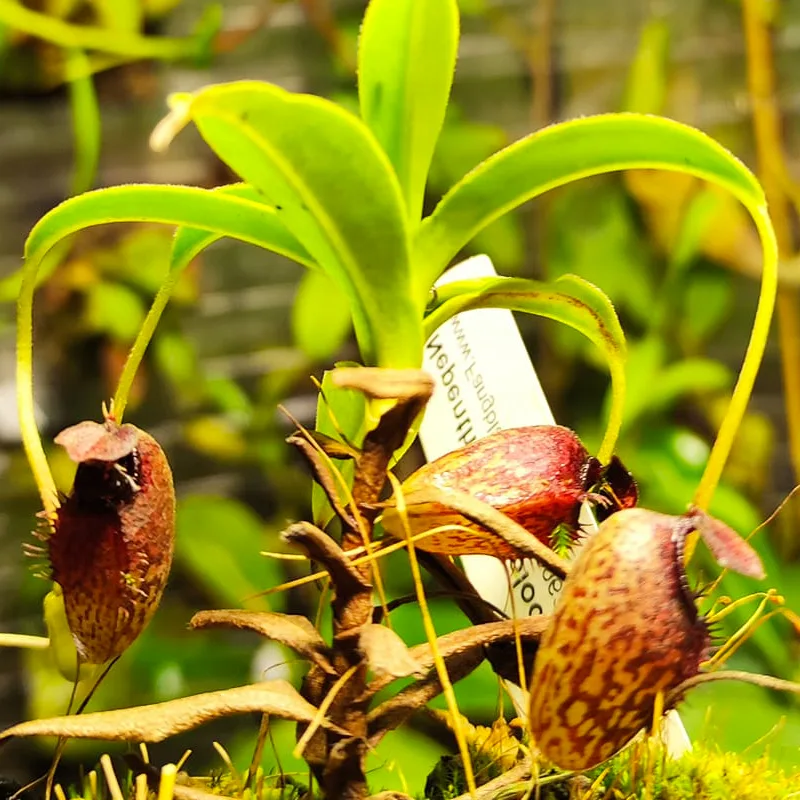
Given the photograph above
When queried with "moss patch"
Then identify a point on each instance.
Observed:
(641, 772)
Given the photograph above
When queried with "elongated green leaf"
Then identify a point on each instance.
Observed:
(340, 415)
(406, 60)
(334, 189)
(569, 300)
(85, 120)
(571, 150)
(90, 37)
(563, 153)
(217, 212)
(189, 242)
(647, 79)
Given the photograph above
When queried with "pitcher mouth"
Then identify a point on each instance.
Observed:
(613, 483)
(688, 596)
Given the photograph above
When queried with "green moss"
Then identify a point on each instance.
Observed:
(642, 772)
(704, 773)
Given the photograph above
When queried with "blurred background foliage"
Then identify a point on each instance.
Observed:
(244, 332)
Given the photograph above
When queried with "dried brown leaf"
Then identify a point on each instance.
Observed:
(412, 390)
(333, 447)
(322, 475)
(292, 630)
(157, 722)
(387, 654)
(472, 640)
(462, 651)
(385, 384)
(347, 581)
(394, 712)
(343, 775)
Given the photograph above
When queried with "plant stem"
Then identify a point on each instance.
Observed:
(747, 374)
(765, 681)
(24, 641)
(616, 410)
(29, 431)
(762, 86)
(86, 128)
(139, 346)
(89, 37)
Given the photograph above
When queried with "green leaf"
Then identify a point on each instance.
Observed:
(646, 359)
(406, 60)
(218, 212)
(340, 415)
(563, 153)
(591, 146)
(189, 242)
(93, 37)
(86, 129)
(703, 210)
(569, 300)
(229, 397)
(689, 377)
(334, 189)
(220, 541)
(215, 437)
(320, 316)
(647, 79)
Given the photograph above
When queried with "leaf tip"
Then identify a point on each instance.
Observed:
(173, 123)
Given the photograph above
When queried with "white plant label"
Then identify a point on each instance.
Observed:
(485, 382)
